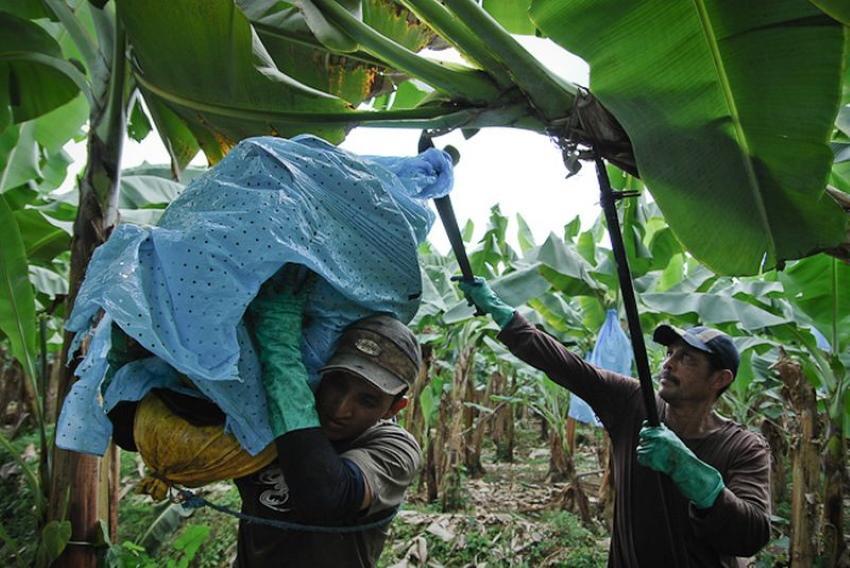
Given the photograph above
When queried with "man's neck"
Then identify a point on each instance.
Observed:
(691, 420)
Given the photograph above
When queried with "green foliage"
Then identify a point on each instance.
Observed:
(35, 78)
(701, 106)
(18, 156)
(227, 79)
(54, 537)
(185, 547)
(577, 539)
(17, 304)
(512, 15)
(188, 544)
(20, 497)
(138, 125)
(755, 137)
(818, 286)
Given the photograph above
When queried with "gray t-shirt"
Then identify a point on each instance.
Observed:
(389, 459)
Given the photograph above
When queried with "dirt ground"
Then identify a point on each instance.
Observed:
(512, 517)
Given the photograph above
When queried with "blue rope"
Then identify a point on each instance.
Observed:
(192, 501)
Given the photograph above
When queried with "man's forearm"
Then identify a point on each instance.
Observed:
(733, 525)
(324, 487)
(739, 521)
(545, 353)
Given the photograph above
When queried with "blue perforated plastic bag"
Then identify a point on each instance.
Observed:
(613, 351)
(180, 289)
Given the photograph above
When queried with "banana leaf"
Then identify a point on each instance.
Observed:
(234, 89)
(17, 302)
(354, 77)
(729, 106)
(820, 287)
(34, 77)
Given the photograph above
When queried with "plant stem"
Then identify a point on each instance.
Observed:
(551, 95)
(41, 394)
(834, 305)
(88, 48)
(111, 125)
(465, 40)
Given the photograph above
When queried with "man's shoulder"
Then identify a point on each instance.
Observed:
(386, 432)
(742, 438)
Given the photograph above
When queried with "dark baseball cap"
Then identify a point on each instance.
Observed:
(716, 343)
(381, 350)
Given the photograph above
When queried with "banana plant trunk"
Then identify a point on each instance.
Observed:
(477, 429)
(51, 393)
(428, 480)
(834, 468)
(78, 480)
(561, 465)
(606, 486)
(451, 438)
(562, 468)
(416, 421)
(805, 462)
(502, 432)
(775, 434)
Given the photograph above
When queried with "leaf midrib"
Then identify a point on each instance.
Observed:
(331, 117)
(726, 89)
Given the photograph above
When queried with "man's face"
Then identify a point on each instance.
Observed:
(348, 405)
(687, 375)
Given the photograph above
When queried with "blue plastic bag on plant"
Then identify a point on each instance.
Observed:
(613, 351)
(180, 289)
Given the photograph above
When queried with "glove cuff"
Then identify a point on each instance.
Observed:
(700, 484)
(302, 419)
(502, 315)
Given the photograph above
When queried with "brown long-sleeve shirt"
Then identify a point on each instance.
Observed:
(737, 525)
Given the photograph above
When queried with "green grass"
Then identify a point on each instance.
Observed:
(17, 509)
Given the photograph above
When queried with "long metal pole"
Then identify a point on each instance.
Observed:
(609, 205)
(447, 216)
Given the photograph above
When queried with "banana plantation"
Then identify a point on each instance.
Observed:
(723, 128)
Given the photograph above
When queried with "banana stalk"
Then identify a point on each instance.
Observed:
(431, 117)
(459, 35)
(548, 93)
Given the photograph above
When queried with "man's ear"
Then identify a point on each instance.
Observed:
(723, 378)
(396, 407)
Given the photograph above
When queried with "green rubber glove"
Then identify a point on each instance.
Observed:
(479, 293)
(662, 450)
(124, 350)
(276, 315)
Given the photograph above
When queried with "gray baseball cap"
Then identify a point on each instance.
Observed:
(714, 342)
(381, 350)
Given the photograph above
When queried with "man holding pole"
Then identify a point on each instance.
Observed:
(715, 473)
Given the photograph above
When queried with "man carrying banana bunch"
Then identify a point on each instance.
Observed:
(342, 465)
